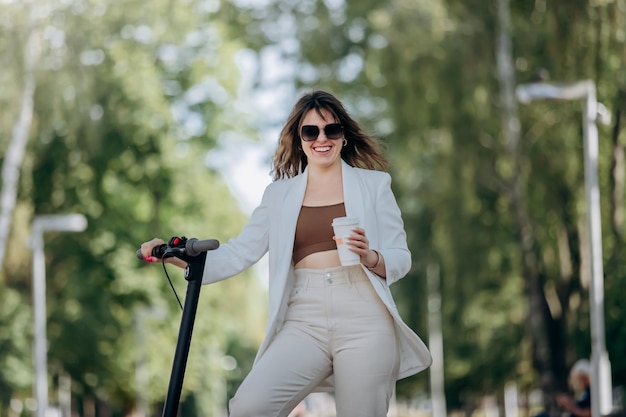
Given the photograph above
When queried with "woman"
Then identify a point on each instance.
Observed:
(330, 327)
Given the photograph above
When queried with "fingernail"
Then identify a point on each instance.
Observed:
(147, 259)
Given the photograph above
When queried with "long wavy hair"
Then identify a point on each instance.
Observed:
(361, 150)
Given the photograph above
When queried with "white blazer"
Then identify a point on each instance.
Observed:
(272, 227)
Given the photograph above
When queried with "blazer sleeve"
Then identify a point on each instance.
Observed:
(392, 236)
(243, 251)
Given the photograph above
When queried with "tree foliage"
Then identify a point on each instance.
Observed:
(130, 96)
(422, 75)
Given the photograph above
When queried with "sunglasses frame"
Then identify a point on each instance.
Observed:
(332, 136)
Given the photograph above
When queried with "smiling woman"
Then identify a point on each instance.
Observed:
(326, 318)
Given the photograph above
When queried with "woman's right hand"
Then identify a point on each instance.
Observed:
(146, 252)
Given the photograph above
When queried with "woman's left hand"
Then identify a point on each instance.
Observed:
(359, 244)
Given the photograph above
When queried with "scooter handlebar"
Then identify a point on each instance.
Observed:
(188, 247)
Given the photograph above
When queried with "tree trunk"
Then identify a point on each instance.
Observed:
(19, 139)
(539, 320)
(618, 167)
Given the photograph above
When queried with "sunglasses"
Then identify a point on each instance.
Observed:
(332, 131)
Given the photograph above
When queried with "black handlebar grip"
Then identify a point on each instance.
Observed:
(195, 247)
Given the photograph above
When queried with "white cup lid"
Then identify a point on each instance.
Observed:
(345, 221)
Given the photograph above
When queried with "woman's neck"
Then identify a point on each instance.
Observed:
(324, 186)
(325, 174)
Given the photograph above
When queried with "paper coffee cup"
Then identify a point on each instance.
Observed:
(343, 229)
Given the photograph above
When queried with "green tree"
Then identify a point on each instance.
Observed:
(129, 101)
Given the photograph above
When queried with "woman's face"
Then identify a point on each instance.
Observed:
(322, 152)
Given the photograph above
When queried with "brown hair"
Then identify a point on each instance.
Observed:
(361, 150)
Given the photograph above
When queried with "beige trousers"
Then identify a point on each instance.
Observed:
(335, 325)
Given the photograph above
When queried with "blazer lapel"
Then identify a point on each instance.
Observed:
(292, 202)
(352, 193)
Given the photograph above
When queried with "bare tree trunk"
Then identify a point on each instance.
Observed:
(539, 319)
(19, 139)
(618, 168)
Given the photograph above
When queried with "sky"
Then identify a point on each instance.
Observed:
(245, 168)
(245, 163)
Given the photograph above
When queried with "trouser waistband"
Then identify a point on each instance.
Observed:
(330, 276)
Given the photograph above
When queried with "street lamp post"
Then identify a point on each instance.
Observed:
(140, 315)
(41, 224)
(601, 385)
(435, 341)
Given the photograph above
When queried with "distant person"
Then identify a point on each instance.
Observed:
(580, 380)
(331, 327)
(578, 405)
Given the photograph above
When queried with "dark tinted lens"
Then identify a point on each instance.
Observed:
(310, 133)
(333, 131)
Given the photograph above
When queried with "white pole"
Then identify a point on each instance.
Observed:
(142, 375)
(511, 402)
(491, 406)
(65, 394)
(141, 369)
(39, 313)
(41, 224)
(601, 384)
(601, 391)
(435, 342)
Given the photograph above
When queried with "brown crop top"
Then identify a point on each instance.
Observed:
(314, 230)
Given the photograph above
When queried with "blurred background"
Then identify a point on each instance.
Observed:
(159, 118)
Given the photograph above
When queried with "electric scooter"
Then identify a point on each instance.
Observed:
(192, 251)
